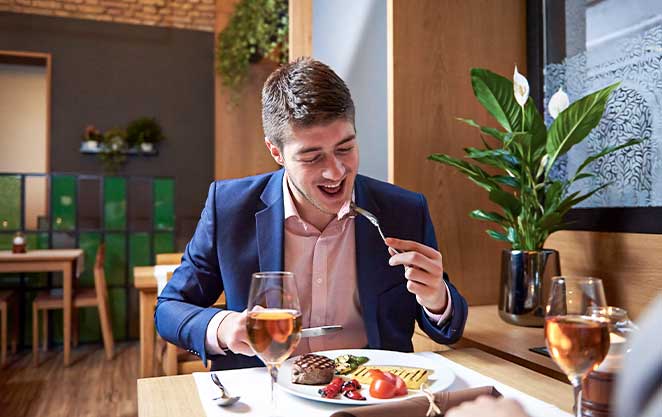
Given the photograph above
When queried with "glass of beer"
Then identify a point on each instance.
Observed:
(577, 339)
(274, 320)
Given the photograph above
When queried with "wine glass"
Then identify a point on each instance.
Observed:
(577, 339)
(274, 320)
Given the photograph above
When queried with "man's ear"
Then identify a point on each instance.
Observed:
(275, 152)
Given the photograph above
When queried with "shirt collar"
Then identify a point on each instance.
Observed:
(290, 209)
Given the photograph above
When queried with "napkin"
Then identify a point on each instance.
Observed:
(418, 406)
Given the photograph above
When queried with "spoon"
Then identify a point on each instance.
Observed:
(225, 399)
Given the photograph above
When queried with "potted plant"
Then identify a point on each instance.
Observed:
(257, 29)
(520, 180)
(91, 138)
(144, 132)
(113, 150)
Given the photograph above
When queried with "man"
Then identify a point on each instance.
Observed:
(298, 219)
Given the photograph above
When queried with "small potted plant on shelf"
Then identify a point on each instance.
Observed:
(521, 181)
(113, 150)
(144, 133)
(91, 139)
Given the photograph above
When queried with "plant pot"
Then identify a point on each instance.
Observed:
(147, 147)
(525, 277)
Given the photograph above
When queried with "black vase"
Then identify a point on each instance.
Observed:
(525, 277)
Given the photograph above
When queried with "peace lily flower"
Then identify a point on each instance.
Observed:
(558, 103)
(521, 88)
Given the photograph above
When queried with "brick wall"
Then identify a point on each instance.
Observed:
(186, 14)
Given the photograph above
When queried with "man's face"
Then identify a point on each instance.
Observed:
(321, 163)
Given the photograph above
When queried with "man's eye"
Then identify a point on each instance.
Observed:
(345, 150)
(311, 160)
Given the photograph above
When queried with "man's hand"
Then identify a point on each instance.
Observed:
(232, 333)
(424, 271)
(488, 406)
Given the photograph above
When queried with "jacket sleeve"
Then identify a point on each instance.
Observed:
(451, 331)
(183, 309)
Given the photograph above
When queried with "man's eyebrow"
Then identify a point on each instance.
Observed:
(319, 148)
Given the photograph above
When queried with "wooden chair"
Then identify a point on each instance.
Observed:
(7, 300)
(85, 297)
(169, 258)
(176, 360)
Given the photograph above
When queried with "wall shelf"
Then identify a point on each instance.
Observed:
(132, 151)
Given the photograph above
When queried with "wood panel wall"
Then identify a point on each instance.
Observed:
(239, 140)
(628, 263)
(301, 28)
(432, 46)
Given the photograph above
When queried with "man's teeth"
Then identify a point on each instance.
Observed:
(332, 186)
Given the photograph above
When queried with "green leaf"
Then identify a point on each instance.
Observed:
(553, 196)
(495, 93)
(506, 200)
(475, 173)
(507, 180)
(495, 133)
(576, 122)
(496, 235)
(549, 220)
(488, 216)
(499, 158)
(606, 151)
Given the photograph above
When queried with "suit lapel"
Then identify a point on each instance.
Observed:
(369, 261)
(269, 225)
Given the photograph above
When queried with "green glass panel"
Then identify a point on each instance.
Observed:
(27, 314)
(114, 206)
(139, 252)
(164, 242)
(164, 204)
(115, 262)
(63, 202)
(89, 329)
(118, 307)
(10, 202)
(9, 280)
(89, 243)
(5, 241)
(37, 240)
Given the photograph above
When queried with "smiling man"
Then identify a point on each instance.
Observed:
(299, 219)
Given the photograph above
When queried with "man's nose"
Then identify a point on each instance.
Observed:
(334, 169)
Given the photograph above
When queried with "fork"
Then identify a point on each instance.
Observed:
(372, 219)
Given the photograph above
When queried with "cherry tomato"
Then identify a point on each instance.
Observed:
(382, 388)
(400, 387)
(376, 373)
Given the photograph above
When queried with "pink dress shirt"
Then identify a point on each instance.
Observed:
(324, 267)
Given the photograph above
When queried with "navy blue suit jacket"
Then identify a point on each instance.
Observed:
(241, 231)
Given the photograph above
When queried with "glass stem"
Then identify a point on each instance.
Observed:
(577, 387)
(273, 373)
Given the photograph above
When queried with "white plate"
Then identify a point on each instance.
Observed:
(441, 377)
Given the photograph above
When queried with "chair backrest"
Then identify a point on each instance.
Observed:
(99, 273)
(169, 258)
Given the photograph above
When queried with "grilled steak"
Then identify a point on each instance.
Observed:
(312, 369)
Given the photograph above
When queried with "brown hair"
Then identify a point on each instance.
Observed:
(303, 93)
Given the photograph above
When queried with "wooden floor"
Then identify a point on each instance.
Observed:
(91, 386)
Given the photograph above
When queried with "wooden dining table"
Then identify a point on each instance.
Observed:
(69, 261)
(177, 395)
(145, 282)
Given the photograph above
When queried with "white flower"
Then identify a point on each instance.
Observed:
(521, 88)
(558, 103)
